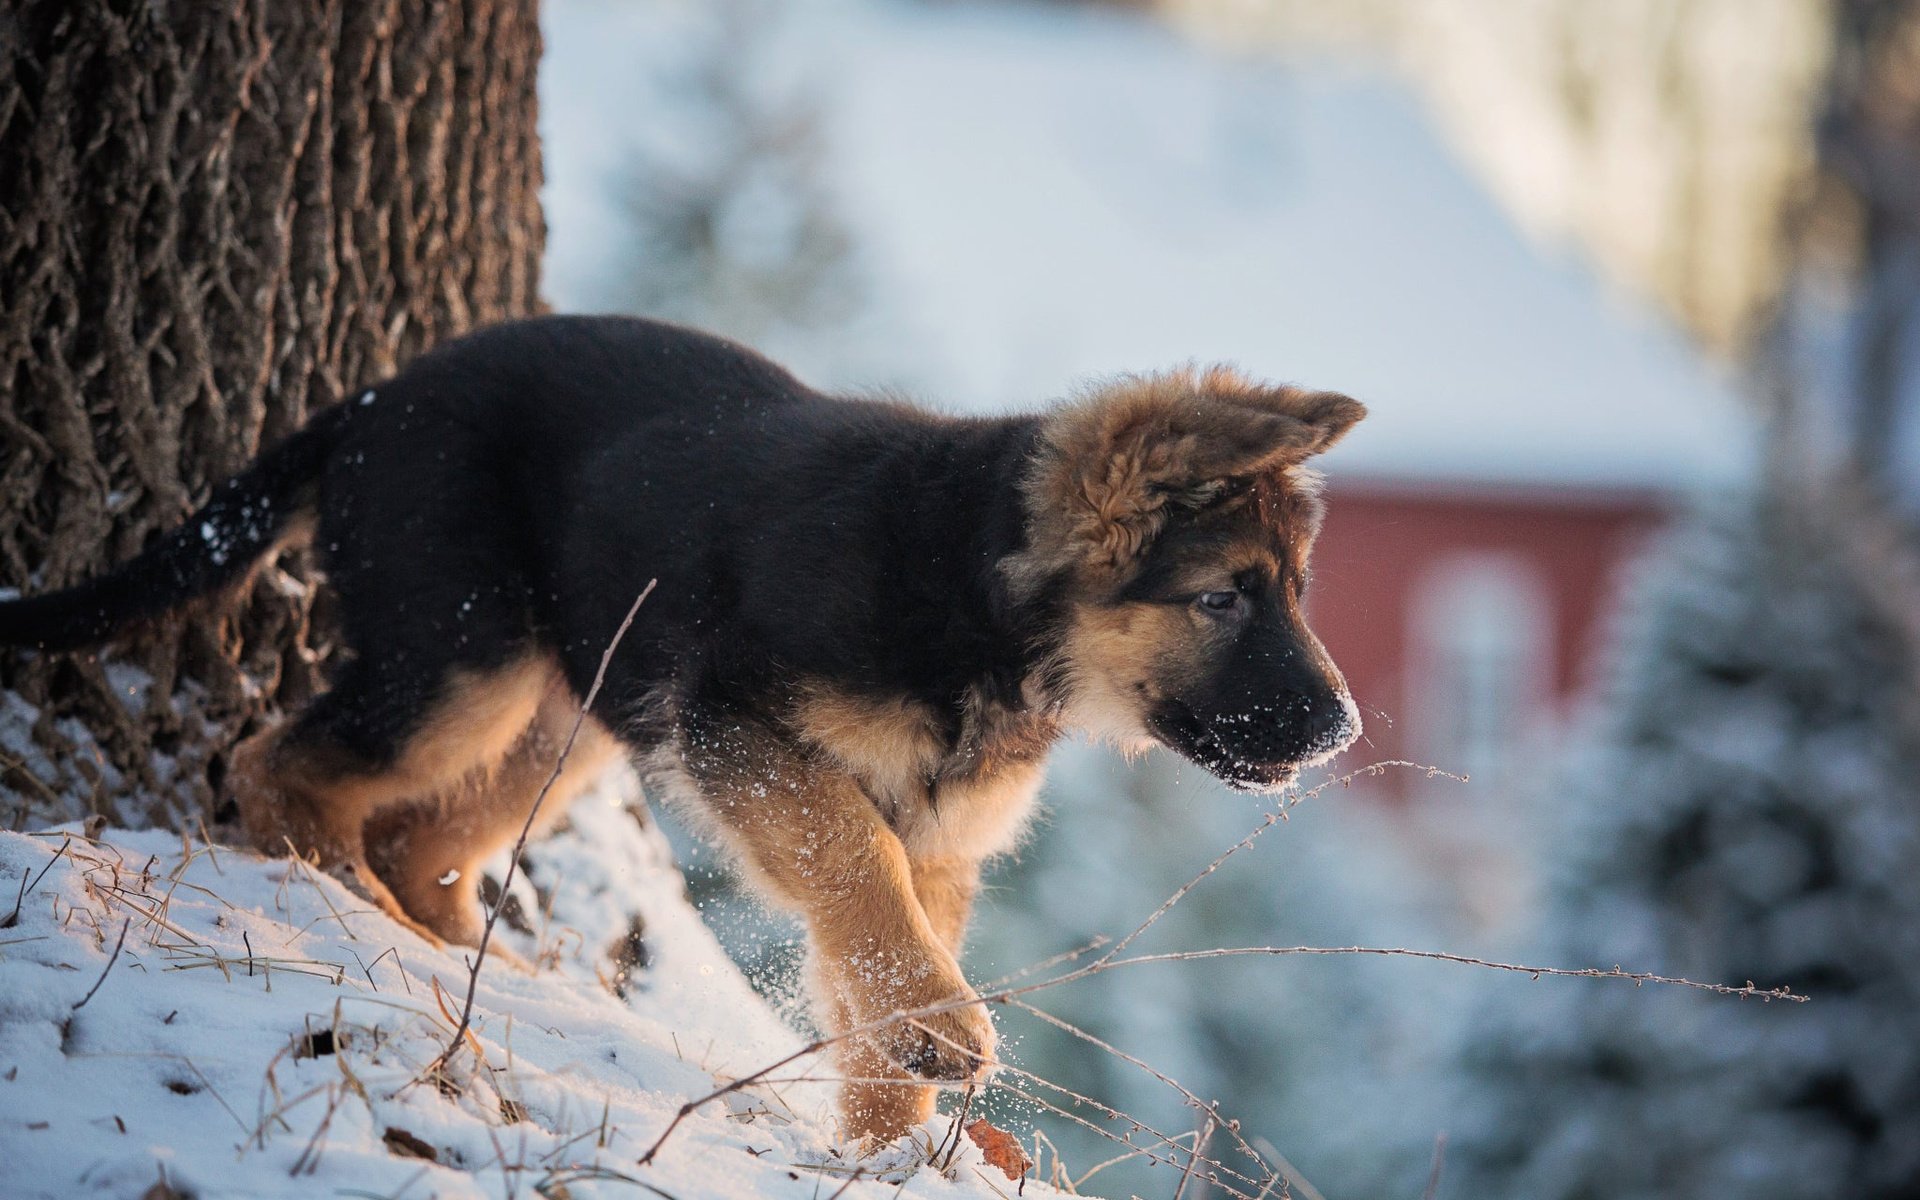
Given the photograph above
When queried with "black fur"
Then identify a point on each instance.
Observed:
(219, 545)
(520, 487)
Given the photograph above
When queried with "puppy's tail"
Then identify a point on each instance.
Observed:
(243, 520)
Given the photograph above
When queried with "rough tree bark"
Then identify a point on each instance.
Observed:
(217, 216)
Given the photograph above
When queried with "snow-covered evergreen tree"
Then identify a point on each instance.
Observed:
(1750, 811)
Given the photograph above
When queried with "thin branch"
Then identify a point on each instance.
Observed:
(857, 1173)
(1107, 962)
(526, 831)
(1150, 1153)
(814, 1047)
(1199, 1151)
(1180, 893)
(1211, 1111)
(1048, 963)
(1212, 1118)
(1439, 1163)
(13, 918)
(1293, 1177)
(111, 959)
(1749, 990)
(1287, 804)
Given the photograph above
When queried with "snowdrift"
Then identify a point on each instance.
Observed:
(184, 1019)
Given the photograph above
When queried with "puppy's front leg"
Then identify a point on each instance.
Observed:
(877, 952)
(819, 845)
(880, 1098)
(946, 887)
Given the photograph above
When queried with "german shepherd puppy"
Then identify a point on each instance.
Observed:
(870, 623)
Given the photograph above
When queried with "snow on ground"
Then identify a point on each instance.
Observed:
(261, 1032)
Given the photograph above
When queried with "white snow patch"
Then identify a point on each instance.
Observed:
(261, 1029)
(217, 543)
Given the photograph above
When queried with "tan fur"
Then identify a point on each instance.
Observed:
(977, 816)
(1116, 458)
(967, 803)
(879, 1099)
(1112, 655)
(429, 851)
(320, 801)
(874, 830)
(819, 844)
(889, 745)
(945, 888)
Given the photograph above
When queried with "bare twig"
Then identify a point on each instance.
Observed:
(1052, 961)
(1210, 1115)
(857, 1173)
(13, 918)
(692, 1106)
(1748, 990)
(213, 1091)
(1271, 819)
(1173, 1146)
(111, 959)
(1210, 1110)
(1108, 962)
(1439, 1162)
(526, 831)
(309, 1160)
(1294, 1179)
(1279, 814)
(952, 1135)
(1200, 1141)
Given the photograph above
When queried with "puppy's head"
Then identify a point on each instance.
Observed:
(1173, 514)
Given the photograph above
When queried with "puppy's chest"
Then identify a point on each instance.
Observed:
(966, 796)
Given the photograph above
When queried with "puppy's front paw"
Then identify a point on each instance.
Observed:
(953, 1045)
(953, 1041)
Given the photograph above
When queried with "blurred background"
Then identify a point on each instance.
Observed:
(1628, 540)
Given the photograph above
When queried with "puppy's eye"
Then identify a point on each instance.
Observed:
(1219, 602)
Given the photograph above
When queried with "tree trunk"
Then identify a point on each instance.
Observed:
(1870, 167)
(216, 217)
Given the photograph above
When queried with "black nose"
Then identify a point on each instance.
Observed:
(1330, 724)
(1299, 725)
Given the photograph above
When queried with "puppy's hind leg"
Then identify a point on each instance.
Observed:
(391, 730)
(430, 852)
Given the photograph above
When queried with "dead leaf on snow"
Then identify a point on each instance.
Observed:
(1000, 1148)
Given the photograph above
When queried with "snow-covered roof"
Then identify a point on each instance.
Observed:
(1048, 194)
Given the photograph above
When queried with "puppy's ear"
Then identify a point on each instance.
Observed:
(1246, 432)
(1324, 417)
(1114, 462)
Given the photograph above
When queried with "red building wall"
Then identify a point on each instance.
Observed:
(1376, 565)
